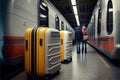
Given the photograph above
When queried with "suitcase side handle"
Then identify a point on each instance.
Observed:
(26, 45)
(40, 42)
(61, 41)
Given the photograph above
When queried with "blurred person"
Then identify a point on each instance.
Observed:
(78, 38)
(85, 38)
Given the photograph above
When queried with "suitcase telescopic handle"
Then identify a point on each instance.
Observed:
(26, 45)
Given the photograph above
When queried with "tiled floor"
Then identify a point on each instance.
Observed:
(90, 66)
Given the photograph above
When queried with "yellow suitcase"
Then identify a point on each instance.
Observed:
(42, 51)
(66, 46)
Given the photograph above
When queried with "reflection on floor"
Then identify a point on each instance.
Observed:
(84, 67)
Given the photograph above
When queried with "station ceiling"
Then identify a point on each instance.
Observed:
(85, 9)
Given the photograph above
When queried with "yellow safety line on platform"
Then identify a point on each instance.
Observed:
(104, 62)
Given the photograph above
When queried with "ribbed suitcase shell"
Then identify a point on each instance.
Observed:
(66, 45)
(42, 51)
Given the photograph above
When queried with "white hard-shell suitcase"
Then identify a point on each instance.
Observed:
(66, 46)
(42, 52)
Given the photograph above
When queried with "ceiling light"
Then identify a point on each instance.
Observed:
(110, 9)
(43, 16)
(42, 7)
(44, 4)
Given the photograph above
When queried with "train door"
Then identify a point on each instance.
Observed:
(43, 14)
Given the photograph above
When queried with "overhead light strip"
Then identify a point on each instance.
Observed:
(73, 2)
(75, 10)
(77, 19)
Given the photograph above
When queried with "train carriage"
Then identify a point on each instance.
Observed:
(104, 28)
(14, 20)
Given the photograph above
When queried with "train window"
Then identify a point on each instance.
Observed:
(109, 17)
(43, 14)
(57, 23)
(99, 22)
(62, 25)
